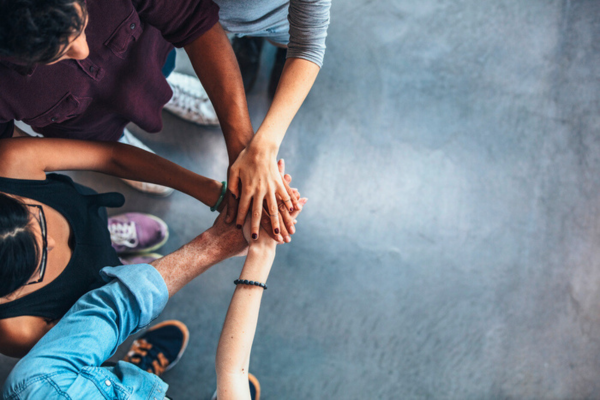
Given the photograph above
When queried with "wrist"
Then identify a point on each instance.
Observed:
(264, 143)
(262, 249)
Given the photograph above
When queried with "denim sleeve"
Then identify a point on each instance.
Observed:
(309, 20)
(91, 331)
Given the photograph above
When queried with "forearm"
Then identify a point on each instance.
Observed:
(132, 163)
(215, 64)
(235, 343)
(191, 260)
(296, 80)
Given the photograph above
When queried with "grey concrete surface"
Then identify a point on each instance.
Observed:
(450, 151)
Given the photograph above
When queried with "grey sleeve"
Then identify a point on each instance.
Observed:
(309, 20)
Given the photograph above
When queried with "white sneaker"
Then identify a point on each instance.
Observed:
(150, 188)
(190, 101)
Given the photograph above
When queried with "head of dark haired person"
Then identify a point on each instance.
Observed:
(42, 31)
(19, 245)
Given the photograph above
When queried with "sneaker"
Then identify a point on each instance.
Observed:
(280, 57)
(254, 388)
(150, 188)
(190, 101)
(140, 258)
(137, 233)
(160, 347)
(247, 52)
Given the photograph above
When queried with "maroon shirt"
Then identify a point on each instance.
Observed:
(121, 80)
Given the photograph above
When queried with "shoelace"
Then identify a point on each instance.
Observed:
(141, 354)
(123, 234)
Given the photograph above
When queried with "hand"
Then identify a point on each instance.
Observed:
(266, 239)
(229, 237)
(258, 174)
(286, 221)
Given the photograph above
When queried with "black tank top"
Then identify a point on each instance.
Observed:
(84, 210)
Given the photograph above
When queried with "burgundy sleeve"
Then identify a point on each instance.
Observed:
(180, 21)
(7, 129)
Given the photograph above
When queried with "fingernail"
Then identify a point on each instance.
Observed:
(254, 236)
(291, 209)
(288, 239)
(292, 230)
(238, 226)
(277, 231)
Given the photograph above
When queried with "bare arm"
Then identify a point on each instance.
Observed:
(31, 158)
(218, 243)
(19, 334)
(233, 352)
(256, 168)
(235, 343)
(215, 64)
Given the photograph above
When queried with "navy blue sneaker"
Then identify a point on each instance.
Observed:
(254, 388)
(160, 347)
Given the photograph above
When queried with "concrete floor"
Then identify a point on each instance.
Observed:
(450, 150)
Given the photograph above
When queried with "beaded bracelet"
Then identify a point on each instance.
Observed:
(223, 190)
(247, 282)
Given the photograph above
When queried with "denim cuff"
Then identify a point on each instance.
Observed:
(147, 286)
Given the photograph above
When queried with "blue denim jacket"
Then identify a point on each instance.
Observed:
(65, 363)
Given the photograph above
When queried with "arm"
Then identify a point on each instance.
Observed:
(19, 334)
(31, 158)
(215, 64)
(255, 168)
(233, 351)
(103, 318)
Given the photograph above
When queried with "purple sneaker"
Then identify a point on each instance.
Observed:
(137, 233)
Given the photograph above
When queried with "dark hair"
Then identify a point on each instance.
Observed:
(19, 250)
(35, 31)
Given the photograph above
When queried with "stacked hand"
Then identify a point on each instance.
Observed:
(287, 221)
(261, 188)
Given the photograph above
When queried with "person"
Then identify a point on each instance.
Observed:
(133, 296)
(97, 66)
(54, 237)
(299, 29)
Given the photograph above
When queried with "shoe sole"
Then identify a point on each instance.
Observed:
(252, 380)
(131, 183)
(156, 246)
(186, 338)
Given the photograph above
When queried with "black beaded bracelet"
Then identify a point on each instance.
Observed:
(247, 282)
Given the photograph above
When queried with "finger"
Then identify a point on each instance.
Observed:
(286, 195)
(234, 183)
(284, 232)
(293, 204)
(297, 212)
(232, 208)
(273, 212)
(287, 179)
(256, 214)
(265, 223)
(242, 211)
(286, 218)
